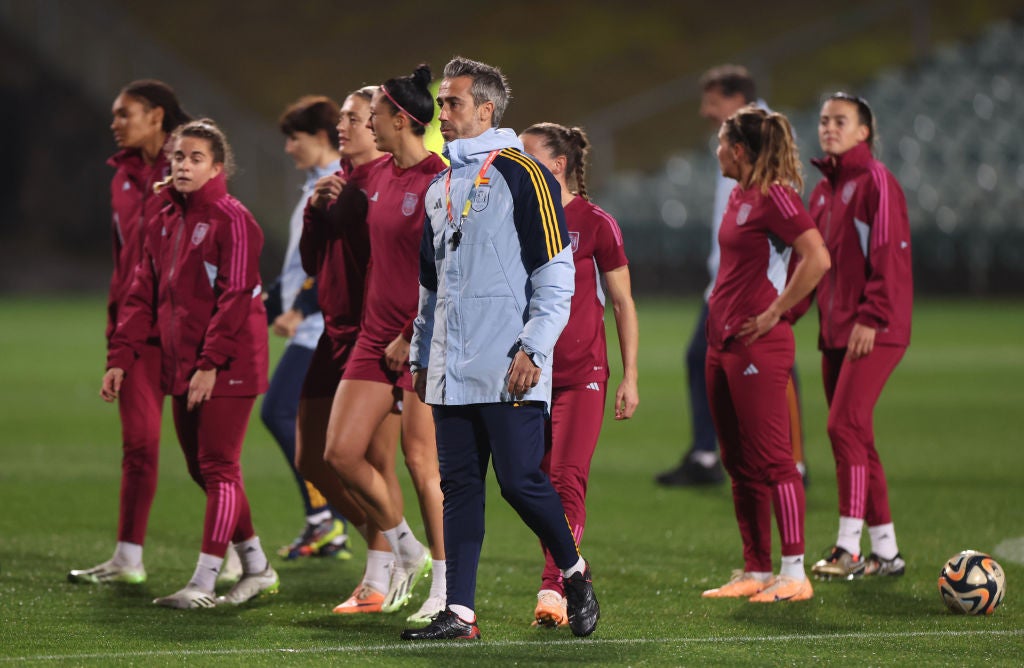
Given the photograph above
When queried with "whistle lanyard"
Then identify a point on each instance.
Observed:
(477, 182)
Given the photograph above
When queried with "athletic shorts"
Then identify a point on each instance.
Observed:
(367, 363)
(326, 368)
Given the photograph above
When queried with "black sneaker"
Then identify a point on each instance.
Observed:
(445, 626)
(691, 473)
(581, 603)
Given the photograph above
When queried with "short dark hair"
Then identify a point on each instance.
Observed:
(155, 93)
(730, 80)
(310, 114)
(489, 84)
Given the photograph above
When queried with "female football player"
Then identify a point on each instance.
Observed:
(377, 374)
(199, 282)
(864, 307)
(580, 363)
(751, 349)
(145, 113)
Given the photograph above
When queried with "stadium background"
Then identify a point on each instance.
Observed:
(946, 78)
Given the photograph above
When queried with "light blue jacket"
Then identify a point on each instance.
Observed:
(508, 282)
(293, 276)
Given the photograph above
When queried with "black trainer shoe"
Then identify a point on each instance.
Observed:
(581, 603)
(445, 626)
(691, 473)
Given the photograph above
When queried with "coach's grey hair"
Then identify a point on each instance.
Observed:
(489, 84)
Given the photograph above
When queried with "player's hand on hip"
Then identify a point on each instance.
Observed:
(523, 375)
(396, 355)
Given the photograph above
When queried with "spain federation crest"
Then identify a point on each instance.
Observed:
(480, 197)
(848, 191)
(199, 233)
(574, 241)
(409, 203)
(743, 214)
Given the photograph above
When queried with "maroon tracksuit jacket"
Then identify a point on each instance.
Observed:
(335, 247)
(201, 261)
(861, 212)
(133, 204)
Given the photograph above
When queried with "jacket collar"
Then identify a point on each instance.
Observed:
(212, 190)
(855, 160)
(472, 149)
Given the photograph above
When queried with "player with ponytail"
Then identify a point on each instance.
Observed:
(580, 362)
(751, 347)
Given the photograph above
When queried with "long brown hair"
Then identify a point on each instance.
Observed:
(573, 144)
(768, 140)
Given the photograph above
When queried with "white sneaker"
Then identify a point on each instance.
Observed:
(108, 572)
(189, 598)
(403, 580)
(231, 569)
(250, 586)
(427, 611)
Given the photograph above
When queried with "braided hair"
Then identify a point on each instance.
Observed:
(571, 143)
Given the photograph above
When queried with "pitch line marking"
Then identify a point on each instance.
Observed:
(419, 646)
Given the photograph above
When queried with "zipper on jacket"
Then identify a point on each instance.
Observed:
(175, 248)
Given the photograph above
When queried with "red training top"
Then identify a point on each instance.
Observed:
(581, 353)
(756, 235)
(395, 219)
(335, 247)
(133, 204)
(202, 262)
(861, 212)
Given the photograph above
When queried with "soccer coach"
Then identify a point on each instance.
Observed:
(496, 279)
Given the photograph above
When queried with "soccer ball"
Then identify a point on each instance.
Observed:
(972, 583)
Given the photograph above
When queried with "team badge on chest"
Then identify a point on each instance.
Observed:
(480, 197)
(743, 214)
(409, 203)
(848, 191)
(574, 241)
(199, 233)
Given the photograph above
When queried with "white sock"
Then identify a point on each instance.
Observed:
(793, 567)
(760, 576)
(127, 554)
(207, 569)
(850, 529)
(542, 592)
(377, 575)
(579, 567)
(438, 582)
(254, 559)
(403, 543)
(465, 614)
(883, 540)
(706, 458)
(322, 516)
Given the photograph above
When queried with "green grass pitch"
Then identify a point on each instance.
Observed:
(948, 427)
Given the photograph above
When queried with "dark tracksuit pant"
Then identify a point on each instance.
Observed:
(513, 436)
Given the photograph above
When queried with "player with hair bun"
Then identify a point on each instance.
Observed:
(751, 347)
(580, 361)
(377, 373)
(864, 308)
(199, 281)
